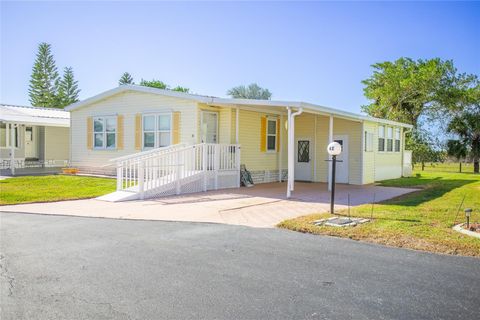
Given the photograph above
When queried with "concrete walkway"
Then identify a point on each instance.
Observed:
(260, 206)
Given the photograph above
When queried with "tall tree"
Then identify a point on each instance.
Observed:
(458, 150)
(252, 91)
(467, 126)
(67, 89)
(44, 79)
(181, 89)
(126, 78)
(406, 89)
(154, 84)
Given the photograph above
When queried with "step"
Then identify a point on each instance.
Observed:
(118, 196)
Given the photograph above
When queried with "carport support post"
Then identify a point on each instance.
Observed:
(289, 151)
(330, 140)
(332, 194)
(12, 149)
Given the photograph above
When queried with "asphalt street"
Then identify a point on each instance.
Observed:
(58, 267)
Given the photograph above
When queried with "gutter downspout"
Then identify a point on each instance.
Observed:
(291, 149)
(403, 147)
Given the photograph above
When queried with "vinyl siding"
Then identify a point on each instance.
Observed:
(381, 165)
(127, 104)
(321, 149)
(369, 156)
(249, 138)
(305, 129)
(57, 146)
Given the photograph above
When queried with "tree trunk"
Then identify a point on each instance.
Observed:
(423, 165)
(475, 166)
(460, 166)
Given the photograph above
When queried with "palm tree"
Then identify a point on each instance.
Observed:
(467, 126)
(458, 150)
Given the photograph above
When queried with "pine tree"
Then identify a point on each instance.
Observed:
(67, 89)
(126, 78)
(44, 79)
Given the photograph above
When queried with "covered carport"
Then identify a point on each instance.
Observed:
(33, 139)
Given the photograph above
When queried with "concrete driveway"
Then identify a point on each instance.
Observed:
(263, 205)
(55, 267)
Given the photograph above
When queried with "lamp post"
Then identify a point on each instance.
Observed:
(468, 212)
(334, 149)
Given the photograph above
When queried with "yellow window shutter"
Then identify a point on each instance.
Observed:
(278, 135)
(138, 131)
(176, 127)
(263, 134)
(120, 132)
(90, 133)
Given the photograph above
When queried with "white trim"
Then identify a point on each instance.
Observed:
(280, 151)
(362, 159)
(291, 149)
(273, 119)
(308, 107)
(330, 139)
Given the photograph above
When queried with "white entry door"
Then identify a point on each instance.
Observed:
(209, 127)
(303, 160)
(341, 172)
(31, 143)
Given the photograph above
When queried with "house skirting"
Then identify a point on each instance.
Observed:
(105, 171)
(265, 176)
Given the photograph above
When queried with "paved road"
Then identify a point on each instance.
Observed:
(55, 267)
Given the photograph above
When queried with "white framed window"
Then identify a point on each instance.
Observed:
(389, 139)
(271, 134)
(368, 141)
(157, 130)
(397, 139)
(381, 138)
(5, 136)
(105, 132)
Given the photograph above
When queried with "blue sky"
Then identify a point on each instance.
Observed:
(315, 52)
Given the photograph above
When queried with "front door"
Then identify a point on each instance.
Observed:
(209, 127)
(303, 160)
(341, 172)
(31, 138)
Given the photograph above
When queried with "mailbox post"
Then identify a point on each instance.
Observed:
(333, 149)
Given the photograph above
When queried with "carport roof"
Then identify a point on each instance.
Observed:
(34, 115)
(253, 103)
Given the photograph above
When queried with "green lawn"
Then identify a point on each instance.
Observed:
(445, 167)
(52, 188)
(421, 220)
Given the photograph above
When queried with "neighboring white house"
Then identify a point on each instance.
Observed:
(131, 121)
(32, 137)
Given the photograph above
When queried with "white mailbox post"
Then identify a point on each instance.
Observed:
(333, 149)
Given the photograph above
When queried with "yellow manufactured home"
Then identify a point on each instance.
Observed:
(268, 137)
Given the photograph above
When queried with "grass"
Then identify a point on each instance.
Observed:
(421, 220)
(52, 188)
(445, 167)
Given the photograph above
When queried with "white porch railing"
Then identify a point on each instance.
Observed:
(23, 164)
(179, 169)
